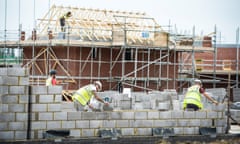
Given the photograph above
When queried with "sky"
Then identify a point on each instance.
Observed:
(182, 15)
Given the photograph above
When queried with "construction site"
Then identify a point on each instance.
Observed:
(145, 70)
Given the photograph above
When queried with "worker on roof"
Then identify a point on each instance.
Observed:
(82, 96)
(51, 81)
(192, 99)
(63, 20)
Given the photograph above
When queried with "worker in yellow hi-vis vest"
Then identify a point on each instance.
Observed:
(82, 96)
(192, 99)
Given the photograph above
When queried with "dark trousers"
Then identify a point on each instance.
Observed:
(192, 106)
(62, 24)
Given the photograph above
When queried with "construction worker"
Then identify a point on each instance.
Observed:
(63, 20)
(51, 81)
(192, 99)
(82, 96)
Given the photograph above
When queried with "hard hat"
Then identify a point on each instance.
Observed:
(52, 72)
(198, 81)
(99, 84)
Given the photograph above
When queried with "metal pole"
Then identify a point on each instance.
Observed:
(193, 55)
(215, 57)
(237, 58)
(5, 31)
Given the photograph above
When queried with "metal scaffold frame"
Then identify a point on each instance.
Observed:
(124, 32)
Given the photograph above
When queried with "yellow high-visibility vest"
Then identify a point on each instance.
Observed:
(193, 96)
(49, 81)
(83, 95)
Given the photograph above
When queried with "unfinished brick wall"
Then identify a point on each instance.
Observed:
(48, 112)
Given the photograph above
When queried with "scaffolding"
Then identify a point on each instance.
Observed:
(115, 47)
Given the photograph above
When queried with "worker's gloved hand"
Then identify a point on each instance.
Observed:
(215, 102)
(106, 103)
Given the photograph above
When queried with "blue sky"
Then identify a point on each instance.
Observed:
(184, 14)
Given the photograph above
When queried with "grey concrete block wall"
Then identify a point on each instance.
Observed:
(49, 113)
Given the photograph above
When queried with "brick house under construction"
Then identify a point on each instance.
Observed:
(118, 48)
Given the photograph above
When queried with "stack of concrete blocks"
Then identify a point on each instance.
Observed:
(141, 100)
(235, 113)
(14, 87)
(162, 101)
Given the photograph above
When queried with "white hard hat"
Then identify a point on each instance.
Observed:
(198, 81)
(99, 84)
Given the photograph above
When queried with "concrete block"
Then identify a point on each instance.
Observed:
(212, 114)
(10, 80)
(128, 131)
(140, 115)
(6, 135)
(189, 114)
(220, 107)
(54, 89)
(46, 98)
(162, 123)
(125, 104)
(38, 125)
(115, 115)
(4, 90)
(57, 98)
(16, 125)
(39, 107)
(67, 105)
(220, 130)
(7, 117)
(60, 116)
(75, 133)
(143, 123)
(153, 115)
(109, 133)
(54, 107)
(15, 71)
(88, 133)
(205, 122)
(2, 82)
(127, 115)
(221, 122)
(45, 116)
(138, 106)
(178, 131)
(163, 106)
(194, 123)
(20, 135)
(24, 81)
(74, 116)
(3, 71)
(177, 114)
(89, 115)
(17, 90)
(23, 99)
(68, 124)
(183, 122)
(201, 114)
(54, 124)
(190, 131)
(83, 124)
(39, 90)
(17, 108)
(122, 123)
(143, 131)
(103, 115)
(108, 123)
(165, 114)
(4, 108)
(96, 124)
(3, 126)
(10, 99)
